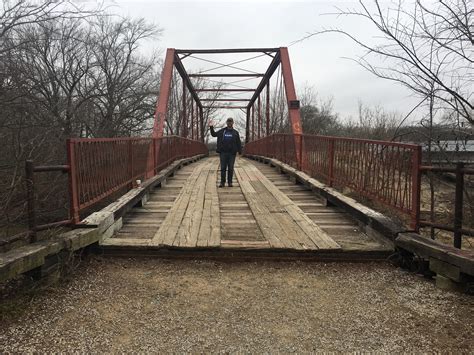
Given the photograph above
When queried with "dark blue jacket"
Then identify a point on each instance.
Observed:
(230, 143)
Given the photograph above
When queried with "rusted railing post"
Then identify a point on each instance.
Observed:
(73, 193)
(458, 203)
(30, 196)
(415, 189)
(300, 155)
(155, 160)
(330, 162)
(130, 162)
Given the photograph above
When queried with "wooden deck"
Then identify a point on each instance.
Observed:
(264, 211)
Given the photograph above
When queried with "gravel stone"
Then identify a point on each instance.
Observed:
(152, 305)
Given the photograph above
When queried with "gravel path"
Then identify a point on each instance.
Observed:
(127, 305)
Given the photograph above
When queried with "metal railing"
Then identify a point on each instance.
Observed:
(100, 167)
(457, 227)
(386, 172)
(97, 168)
(31, 197)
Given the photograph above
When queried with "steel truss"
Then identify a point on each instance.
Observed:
(257, 122)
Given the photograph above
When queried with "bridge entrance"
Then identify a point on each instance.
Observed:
(263, 213)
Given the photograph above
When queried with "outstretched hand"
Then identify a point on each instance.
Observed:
(211, 123)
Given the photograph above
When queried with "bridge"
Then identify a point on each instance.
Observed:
(158, 195)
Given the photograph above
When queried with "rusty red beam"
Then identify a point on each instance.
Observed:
(266, 78)
(227, 50)
(225, 100)
(185, 76)
(294, 112)
(226, 107)
(293, 104)
(225, 90)
(226, 75)
(163, 98)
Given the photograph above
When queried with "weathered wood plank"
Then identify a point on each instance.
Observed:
(167, 233)
(268, 225)
(188, 230)
(318, 236)
(216, 232)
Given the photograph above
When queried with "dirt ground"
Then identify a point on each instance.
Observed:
(143, 305)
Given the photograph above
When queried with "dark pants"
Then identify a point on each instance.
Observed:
(227, 163)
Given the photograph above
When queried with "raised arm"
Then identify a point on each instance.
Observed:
(213, 133)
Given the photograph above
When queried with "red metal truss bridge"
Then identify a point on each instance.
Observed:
(181, 206)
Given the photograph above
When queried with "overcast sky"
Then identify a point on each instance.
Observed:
(317, 61)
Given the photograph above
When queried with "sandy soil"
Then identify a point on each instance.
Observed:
(129, 305)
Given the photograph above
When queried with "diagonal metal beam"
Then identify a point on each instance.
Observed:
(184, 75)
(271, 69)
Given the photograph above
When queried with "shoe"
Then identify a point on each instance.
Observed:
(221, 185)
(230, 185)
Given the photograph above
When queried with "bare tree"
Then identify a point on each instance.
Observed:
(63, 74)
(317, 115)
(429, 48)
(124, 80)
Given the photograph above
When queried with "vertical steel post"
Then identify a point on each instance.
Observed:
(196, 134)
(201, 127)
(458, 203)
(247, 126)
(259, 117)
(253, 123)
(415, 189)
(267, 108)
(192, 119)
(73, 187)
(293, 109)
(185, 116)
(30, 195)
(163, 98)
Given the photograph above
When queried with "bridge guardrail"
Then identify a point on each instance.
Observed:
(102, 166)
(387, 172)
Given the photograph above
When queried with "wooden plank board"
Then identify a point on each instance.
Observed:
(166, 235)
(205, 228)
(268, 225)
(216, 232)
(125, 242)
(188, 230)
(320, 238)
(289, 233)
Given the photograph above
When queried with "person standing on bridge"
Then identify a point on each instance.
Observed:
(228, 145)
